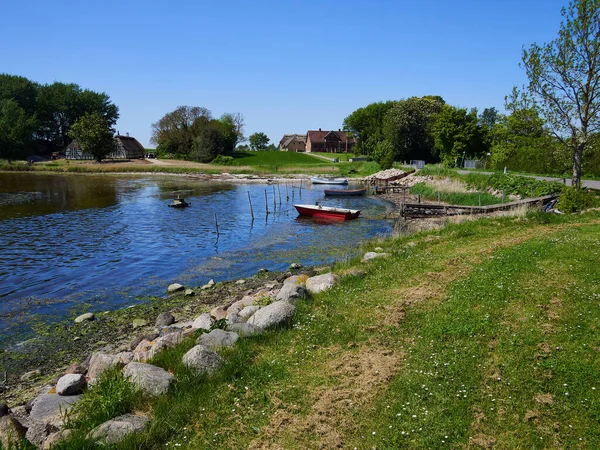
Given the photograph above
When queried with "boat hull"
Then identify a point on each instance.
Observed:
(325, 212)
(317, 180)
(345, 192)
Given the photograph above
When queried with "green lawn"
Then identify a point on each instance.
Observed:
(280, 159)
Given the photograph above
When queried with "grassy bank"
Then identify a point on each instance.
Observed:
(481, 334)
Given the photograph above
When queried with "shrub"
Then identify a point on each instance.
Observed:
(223, 160)
(575, 199)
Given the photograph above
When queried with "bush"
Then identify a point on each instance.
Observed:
(223, 160)
(575, 199)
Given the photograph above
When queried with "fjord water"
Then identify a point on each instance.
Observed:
(100, 242)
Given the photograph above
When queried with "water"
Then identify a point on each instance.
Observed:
(69, 242)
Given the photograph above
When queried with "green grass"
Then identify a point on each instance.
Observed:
(455, 198)
(276, 159)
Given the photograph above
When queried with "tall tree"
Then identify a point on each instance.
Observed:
(564, 77)
(16, 129)
(176, 130)
(232, 127)
(258, 141)
(367, 123)
(21, 90)
(93, 134)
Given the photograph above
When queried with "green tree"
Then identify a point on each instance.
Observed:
(93, 134)
(16, 130)
(366, 124)
(175, 131)
(208, 143)
(564, 78)
(20, 90)
(383, 154)
(258, 141)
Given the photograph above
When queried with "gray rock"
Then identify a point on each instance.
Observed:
(263, 270)
(211, 282)
(53, 439)
(294, 266)
(189, 293)
(38, 432)
(115, 430)
(51, 408)
(240, 282)
(296, 279)
(165, 319)
(84, 317)
(321, 283)
(125, 357)
(218, 339)
(247, 312)
(142, 350)
(167, 341)
(101, 362)
(373, 255)
(202, 322)
(175, 287)
(70, 384)
(378, 249)
(411, 244)
(201, 359)
(234, 317)
(151, 379)
(274, 314)
(138, 323)
(354, 272)
(291, 293)
(11, 432)
(245, 329)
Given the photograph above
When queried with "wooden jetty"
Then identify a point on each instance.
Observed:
(386, 181)
(422, 210)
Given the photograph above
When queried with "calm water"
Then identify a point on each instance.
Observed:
(103, 241)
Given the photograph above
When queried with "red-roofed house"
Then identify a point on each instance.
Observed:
(329, 141)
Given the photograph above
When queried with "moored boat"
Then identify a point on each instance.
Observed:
(345, 192)
(328, 180)
(327, 212)
(179, 203)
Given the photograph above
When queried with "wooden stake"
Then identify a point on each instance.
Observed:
(216, 224)
(279, 192)
(266, 203)
(480, 199)
(287, 195)
(438, 197)
(250, 202)
(274, 199)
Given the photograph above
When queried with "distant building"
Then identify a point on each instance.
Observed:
(127, 147)
(329, 141)
(293, 143)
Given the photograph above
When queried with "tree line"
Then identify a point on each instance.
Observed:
(36, 118)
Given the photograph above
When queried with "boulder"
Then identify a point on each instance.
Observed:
(245, 329)
(373, 255)
(240, 282)
(202, 322)
(189, 293)
(354, 272)
(11, 432)
(218, 339)
(218, 313)
(296, 279)
(70, 384)
(246, 300)
(137, 340)
(295, 266)
(175, 287)
(115, 430)
(167, 341)
(51, 408)
(150, 379)
(321, 283)
(38, 432)
(125, 357)
(234, 317)
(55, 438)
(248, 311)
(85, 317)
(142, 350)
(274, 314)
(31, 375)
(291, 293)
(201, 359)
(101, 362)
(75, 368)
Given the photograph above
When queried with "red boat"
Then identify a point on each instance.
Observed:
(327, 212)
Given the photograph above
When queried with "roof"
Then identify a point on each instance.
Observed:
(130, 144)
(288, 138)
(319, 136)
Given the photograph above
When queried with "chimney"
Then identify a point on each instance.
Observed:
(339, 129)
(319, 129)
(127, 134)
(118, 133)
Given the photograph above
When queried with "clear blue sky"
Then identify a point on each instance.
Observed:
(287, 66)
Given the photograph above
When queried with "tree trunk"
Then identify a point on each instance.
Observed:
(577, 156)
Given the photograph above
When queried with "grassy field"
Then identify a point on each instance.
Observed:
(482, 334)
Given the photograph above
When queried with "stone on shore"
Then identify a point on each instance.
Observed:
(53, 439)
(354, 272)
(245, 329)
(373, 255)
(271, 315)
(189, 293)
(175, 287)
(296, 279)
(167, 341)
(321, 283)
(11, 432)
(115, 430)
(151, 379)
(31, 375)
(165, 319)
(85, 317)
(218, 339)
(201, 359)
(38, 432)
(202, 322)
(295, 266)
(70, 384)
(291, 293)
(100, 362)
(218, 313)
(142, 350)
(247, 312)
(50, 408)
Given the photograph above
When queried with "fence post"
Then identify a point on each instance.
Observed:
(266, 203)
(251, 211)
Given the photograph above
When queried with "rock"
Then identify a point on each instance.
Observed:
(218, 339)
(31, 402)
(125, 357)
(142, 351)
(211, 282)
(11, 432)
(137, 340)
(38, 432)
(354, 272)
(373, 255)
(70, 384)
(151, 379)
(203, 322)
(206, 286)
(296, 279)
(74, 368)
(101, 362)
(218, 313)
(234, 317)
(378, 249)
(167, 341)
(201, 359)
(189, 293)
(271, 315)
(85, 317)
(321, 283)
(263, 270)
(248, 311)
(291, 293)
(138, 323)
(115, 430)
(411, 244)
(241, 304)
(295, 266)
(240, 282)
(4, 410)
(53, 439)
(245, 329)
(51, 408)
(175, 287)
(31, 375)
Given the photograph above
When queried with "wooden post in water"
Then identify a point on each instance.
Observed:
(300, 188)
(274, 199)
(250, 202)
(216, 224)
(266, 203)
(292, 191)
(287, 194)
(279, 192)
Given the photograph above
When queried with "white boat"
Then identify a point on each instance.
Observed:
(327, 180)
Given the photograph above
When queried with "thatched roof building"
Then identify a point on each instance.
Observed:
(126, 147)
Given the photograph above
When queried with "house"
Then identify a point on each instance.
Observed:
(329, 141)
(293, 143)
(126, 147)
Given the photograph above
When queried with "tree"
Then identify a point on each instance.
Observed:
(383, 154)
(208, 143)
(366, 124)
(21, 90)
(258, 141)
(232, 128)
(176, 130)
(16, 130)
(93, 134)
(564, 78)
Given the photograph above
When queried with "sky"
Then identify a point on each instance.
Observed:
(287, 66)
